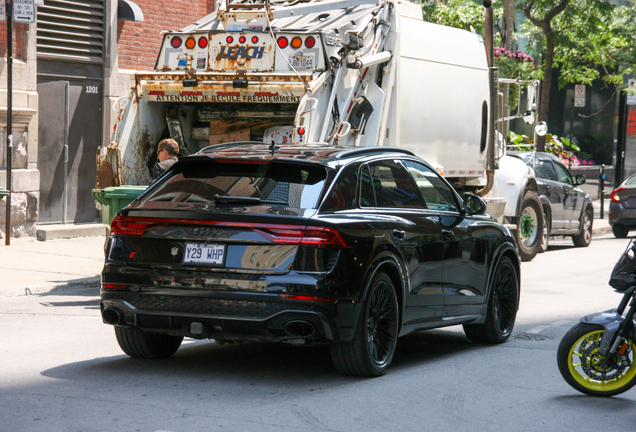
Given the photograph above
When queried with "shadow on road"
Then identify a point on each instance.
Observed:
(197, 361)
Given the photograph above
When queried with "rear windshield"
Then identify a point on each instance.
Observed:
(245, 183)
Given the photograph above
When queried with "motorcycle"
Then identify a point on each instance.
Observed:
(597, 355)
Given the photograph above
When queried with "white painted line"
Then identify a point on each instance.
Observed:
(563, 323)
(537, 329)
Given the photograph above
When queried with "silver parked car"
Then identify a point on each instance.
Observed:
(622, 212)
(567, 208)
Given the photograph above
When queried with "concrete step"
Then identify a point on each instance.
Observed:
(67, 231)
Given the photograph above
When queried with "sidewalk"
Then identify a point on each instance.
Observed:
(29, 266)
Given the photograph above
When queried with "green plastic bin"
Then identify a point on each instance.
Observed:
(4, 193)
(115, 198)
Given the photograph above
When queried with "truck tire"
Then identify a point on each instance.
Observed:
(530, 226)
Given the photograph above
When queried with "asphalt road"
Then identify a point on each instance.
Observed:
(62, 370)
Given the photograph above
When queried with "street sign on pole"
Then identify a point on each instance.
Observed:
(631, 98)
(24, 11)
(3, 10)
(579, 96)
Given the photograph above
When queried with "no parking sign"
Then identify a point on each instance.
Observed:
(579, 96)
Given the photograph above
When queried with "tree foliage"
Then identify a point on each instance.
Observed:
(586, 40)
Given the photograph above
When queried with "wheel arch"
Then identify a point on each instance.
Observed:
(509, 252)
(391, 265)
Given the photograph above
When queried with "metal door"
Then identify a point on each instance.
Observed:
(69, 125)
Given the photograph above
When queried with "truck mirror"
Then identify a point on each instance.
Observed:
(528, 117)
(541, 128)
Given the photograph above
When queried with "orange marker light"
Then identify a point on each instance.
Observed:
(296, 42)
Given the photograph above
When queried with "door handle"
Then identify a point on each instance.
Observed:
(549, 188)
(447, 234)
(398, 233)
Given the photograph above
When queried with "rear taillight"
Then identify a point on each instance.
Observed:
(614, 195)
(110, 286)
(190, 43)
(242, 39)
(176, 42)
(310, 236)
(307, 298)
(133, 227)
(254, 39)
(203, 42)
(229, 39)
(310, 42)
(282, 42)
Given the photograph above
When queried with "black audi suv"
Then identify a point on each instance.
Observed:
(347, 246)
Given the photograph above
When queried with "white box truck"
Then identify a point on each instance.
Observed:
(346, 72)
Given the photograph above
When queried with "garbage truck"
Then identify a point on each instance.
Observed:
(343, 72)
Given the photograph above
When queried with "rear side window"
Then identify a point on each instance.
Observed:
(544, 169)
(241, 183)
(342, 195)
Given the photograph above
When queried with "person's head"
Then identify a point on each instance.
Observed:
(167, 148)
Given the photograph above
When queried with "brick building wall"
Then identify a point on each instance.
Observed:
(19, 38)
(139, 42)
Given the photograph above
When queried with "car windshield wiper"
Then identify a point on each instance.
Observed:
(226, 199)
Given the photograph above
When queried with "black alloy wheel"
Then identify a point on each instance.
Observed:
(502, 307)
(373, 345)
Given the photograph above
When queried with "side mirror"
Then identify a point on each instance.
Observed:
(529, 117)
(474, 205)
(579, 179)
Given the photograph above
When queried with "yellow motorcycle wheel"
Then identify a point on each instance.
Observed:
(580, 361)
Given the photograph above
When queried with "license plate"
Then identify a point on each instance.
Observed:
(302, 62)
(208, 254)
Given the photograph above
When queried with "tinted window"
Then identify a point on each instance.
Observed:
(562, 173)
(545, 170)
(208, 182)
(436, 193)
(393, 186)
(343, 193)
(367, 194)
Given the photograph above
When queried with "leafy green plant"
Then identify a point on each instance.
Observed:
(563, 148)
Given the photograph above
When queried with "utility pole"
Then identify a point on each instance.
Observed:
(7, 229)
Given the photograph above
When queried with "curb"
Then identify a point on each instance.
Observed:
(50, 288)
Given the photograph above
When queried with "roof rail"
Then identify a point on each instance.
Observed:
(224, 146)
(369, 150)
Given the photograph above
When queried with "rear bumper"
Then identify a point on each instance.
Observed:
(264, 317)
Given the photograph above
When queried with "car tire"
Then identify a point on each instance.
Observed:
(371, 350)
(138, 344)
(503, 304)
(545, 241)
(530, 226)
(584, 238)
(620, 231)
